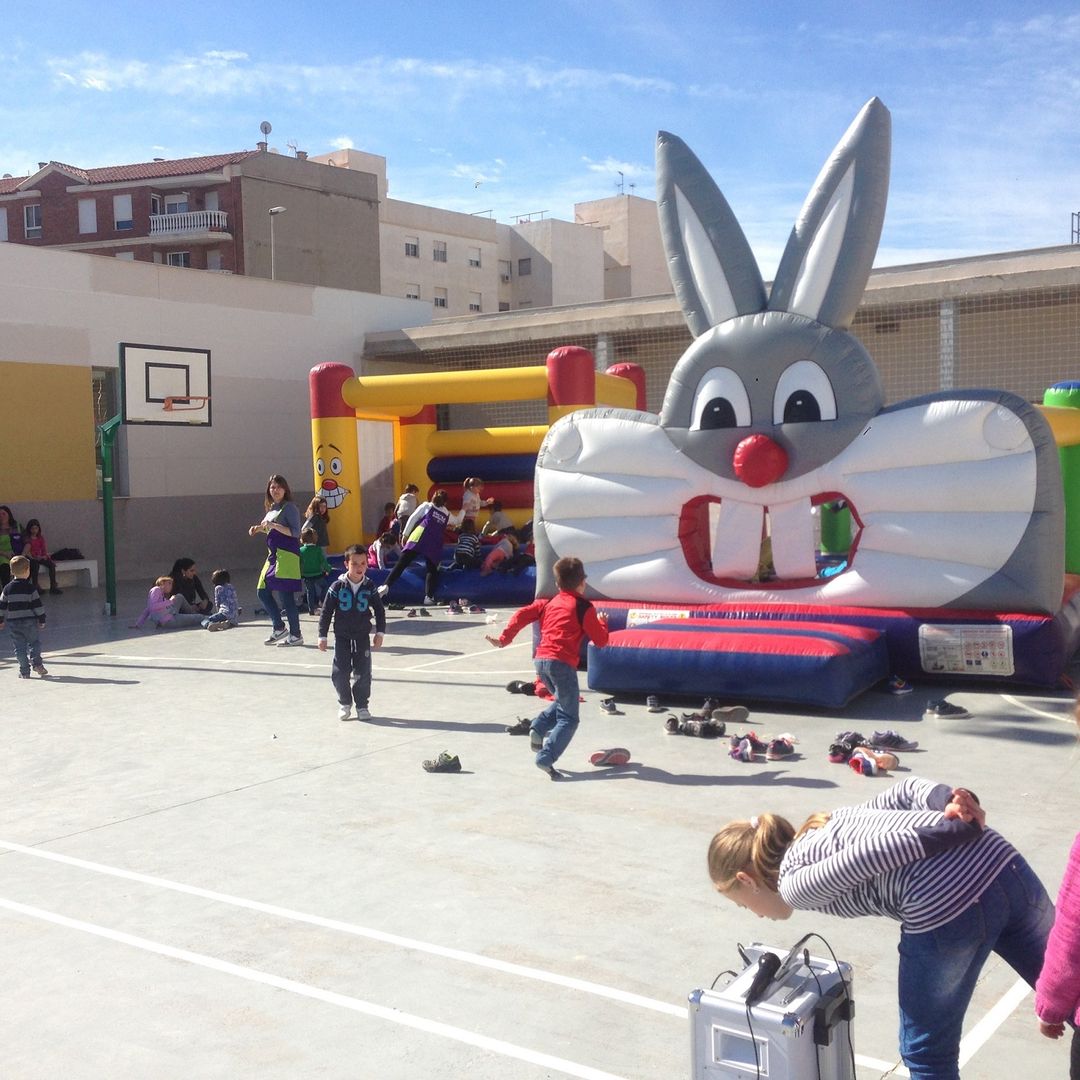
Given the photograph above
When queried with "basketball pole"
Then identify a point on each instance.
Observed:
(108, 432)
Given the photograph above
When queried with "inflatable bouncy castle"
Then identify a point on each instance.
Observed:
(700, 527)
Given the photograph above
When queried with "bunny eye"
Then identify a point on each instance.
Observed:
(721, 401)
(803, 394)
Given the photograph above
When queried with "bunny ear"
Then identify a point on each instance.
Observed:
(712, 267)
(831, 250)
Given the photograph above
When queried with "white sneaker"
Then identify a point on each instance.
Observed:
(275, 636)
(383, 591)
(292, 639)
(363, 714)
(429, 601)
(344, 712)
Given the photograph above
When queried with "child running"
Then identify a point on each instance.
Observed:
(226, 603)
(24, 614)
(349, 604)
(565, 620)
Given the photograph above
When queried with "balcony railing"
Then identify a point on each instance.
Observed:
(190, 221)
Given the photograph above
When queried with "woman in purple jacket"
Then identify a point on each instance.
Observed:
(423, 538)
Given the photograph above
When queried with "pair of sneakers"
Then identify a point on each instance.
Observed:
(283, 637)
(694, 726)
(345, 712)
(746, 747)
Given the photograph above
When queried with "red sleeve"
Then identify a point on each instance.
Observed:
(594, 629)
(522, 617)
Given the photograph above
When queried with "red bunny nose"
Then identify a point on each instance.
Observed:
(758, 461)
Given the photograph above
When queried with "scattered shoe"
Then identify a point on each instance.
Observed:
(519, 686)
(276, 636)
(617, 755)
(520, 728)
(411, 613)
(841, 751)
(536, 741)
(673, 725)
(393, 605)
(292, 639)
(863, 763)
(653, 703)
(899, 686)
(756, 744)
(853, 737)
(891, 740)
(425, 613)
(445, 762)
(883, 759)
(702, 729)
(383, 591)
(362, 713)
(454, 608)
(607, 705)
(944, 710)
(781, 747)
(476, 609)
(704, 713)
(742, 751)
(344, 712)
(731, 714)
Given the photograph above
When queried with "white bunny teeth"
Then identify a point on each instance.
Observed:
(736, 530)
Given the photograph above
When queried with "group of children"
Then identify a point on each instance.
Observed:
(174, 601)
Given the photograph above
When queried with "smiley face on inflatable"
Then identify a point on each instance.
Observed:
(775, 409)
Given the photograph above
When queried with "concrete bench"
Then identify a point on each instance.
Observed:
(73, 568)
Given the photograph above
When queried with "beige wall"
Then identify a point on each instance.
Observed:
(634, 262)
(190, 490)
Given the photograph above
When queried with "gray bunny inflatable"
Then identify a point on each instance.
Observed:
(776, 408)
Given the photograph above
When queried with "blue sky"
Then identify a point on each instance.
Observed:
(544, 104)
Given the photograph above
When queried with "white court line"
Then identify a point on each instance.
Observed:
(1067, 717)
(567, 981)
(381, 1012)
(974, 1040)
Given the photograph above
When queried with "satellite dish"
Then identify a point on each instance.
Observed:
(265, 127)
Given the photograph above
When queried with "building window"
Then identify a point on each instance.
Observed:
(439, 251)
(474, 256)
(32, 221)
(179, 258)
(88, 215)
(412, 247)
(122, 218)
(157, 204)
(440, 298)
(176, 204)
(504, 271)
(524, 303)
(3, 224)
(475, 301)
(524, 267)
(412, 291)
(213, 260)
(211, 202)
(504, 305)
(127, 256)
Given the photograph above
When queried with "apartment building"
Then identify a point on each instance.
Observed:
(634, 260)
(207, 213)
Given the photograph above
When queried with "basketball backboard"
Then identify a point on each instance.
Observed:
(164, 385)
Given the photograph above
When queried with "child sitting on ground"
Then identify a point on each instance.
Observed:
(564, 620)
(23, 613)
(349, 604)
(467, 550)
(161, 608)
(226, 605)
(384, 551)
(313, 569)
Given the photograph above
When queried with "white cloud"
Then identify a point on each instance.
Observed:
(343, 142)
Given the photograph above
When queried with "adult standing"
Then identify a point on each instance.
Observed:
(281, 572)
(918, 853)
(10, 543)
(189, 596)
(424, 534)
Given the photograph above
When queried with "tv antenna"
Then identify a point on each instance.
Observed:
(619, 185)
(291, 144)
(265, 127)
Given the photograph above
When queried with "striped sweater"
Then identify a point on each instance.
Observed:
(896, 856)
(19, 600)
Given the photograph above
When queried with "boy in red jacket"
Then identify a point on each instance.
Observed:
(564, 620)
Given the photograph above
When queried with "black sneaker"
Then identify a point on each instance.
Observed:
(520, 728)
(944, 710)
(445, 762)
(607, 705)
(553, 773)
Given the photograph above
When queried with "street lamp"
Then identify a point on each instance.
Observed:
(273, 212)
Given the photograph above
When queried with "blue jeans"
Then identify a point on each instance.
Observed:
(313, 591)
(24, 636)
(558, 722)
(939, 968)
(288, 607)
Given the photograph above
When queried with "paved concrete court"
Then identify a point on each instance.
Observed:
(203, 873)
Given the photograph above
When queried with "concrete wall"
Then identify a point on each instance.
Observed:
(634, 263)
(191, 490)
